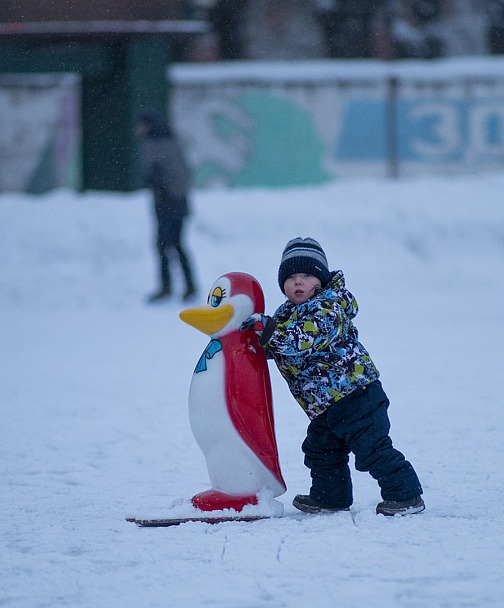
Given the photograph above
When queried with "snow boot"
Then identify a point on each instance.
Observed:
(400, 507)
(305, 503)
(189, 294)
(159, 295)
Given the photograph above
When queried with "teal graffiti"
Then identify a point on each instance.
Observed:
(283, 146)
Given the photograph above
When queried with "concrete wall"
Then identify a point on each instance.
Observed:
(248, 124)
(281, 124)
(40, 135)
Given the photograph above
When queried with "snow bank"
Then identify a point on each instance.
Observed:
(94, 388)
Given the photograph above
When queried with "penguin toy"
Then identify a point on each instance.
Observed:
(230, 402)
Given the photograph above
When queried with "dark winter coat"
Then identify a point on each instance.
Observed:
(316, 348)
(165, 166)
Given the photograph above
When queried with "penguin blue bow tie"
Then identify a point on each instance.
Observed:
(214, 346)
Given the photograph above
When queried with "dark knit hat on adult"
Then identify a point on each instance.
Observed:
(306, 256)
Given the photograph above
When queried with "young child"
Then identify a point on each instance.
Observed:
(315, 345)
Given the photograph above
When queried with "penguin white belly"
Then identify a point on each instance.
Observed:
(232, 466)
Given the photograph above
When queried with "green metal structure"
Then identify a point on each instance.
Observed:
(122, 66)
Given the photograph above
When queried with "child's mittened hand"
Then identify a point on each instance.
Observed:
(256, 322)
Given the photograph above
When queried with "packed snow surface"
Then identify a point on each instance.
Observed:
(94, 385)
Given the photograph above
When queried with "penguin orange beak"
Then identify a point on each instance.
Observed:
(207, 319)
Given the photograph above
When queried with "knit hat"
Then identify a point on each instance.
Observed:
(303, 255)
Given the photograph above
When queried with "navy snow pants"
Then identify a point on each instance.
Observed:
(359, 424)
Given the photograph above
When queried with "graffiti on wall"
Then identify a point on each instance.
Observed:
(39, 132)
(253, 138)
(453, 131)
(282, 133)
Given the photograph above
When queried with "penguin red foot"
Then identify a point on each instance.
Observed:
(213, 500)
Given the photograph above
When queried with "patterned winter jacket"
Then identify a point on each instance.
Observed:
(316, 348)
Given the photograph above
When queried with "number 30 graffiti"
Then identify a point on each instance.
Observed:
(454, 130)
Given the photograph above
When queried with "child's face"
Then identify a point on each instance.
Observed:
(300, 287)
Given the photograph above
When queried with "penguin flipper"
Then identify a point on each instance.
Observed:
(250, 403)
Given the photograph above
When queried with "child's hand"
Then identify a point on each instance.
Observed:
(256, 322)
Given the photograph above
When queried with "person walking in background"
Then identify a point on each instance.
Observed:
(168, 175)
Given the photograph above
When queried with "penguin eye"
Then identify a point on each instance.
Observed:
(217, 296)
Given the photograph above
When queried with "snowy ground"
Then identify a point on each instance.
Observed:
(94, 385)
